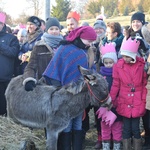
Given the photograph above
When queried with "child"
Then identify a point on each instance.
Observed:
(114, 132)
(128, 92)
(63, 69)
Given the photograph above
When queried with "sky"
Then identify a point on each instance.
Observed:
(15, 7)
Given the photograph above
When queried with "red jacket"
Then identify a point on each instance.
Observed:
(128, 91)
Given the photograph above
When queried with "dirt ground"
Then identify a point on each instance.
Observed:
(91, 135)
(13, 135)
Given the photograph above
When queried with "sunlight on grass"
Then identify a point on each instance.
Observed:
(123, 20)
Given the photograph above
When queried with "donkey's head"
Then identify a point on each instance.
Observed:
(97, 87)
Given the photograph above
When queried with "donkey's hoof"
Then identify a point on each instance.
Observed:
(28, 145)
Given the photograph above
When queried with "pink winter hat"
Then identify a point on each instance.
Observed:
(109, 51)
(2, 17)
(130, 48)
(84, 32)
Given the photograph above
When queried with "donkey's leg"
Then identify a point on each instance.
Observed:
(51, 142)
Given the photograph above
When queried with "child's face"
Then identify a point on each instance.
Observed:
(108, 62)
(86, 42)
(127, 59)
(54, 30)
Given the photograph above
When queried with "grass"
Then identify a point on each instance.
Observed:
(123, 20)
(13, 136)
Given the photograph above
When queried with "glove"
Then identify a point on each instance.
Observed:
(30, 85)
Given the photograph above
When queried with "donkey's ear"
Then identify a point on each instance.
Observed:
(88, 75)
(84, 71)
(92, 80)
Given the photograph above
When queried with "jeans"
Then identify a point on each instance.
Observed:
(75, 124)
(131, 127)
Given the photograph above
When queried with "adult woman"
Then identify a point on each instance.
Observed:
(42, 53)
(113, 34)
(100, 29)
(134, 31)
(137, 22)
(63, 69)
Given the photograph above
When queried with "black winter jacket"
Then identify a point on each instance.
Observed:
(9, 49)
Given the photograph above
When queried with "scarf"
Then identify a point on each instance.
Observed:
(52, 40)
(105, 71)
(32, 36)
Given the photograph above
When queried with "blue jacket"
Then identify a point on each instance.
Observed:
(9, 49)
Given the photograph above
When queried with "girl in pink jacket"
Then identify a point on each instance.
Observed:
(128, 92)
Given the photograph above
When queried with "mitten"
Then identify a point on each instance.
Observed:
(101, 111)
(30, 85)
(110, 118)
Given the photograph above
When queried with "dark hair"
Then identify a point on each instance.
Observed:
(42, 21)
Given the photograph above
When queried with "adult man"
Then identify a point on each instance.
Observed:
(9, 49)
(72, 20)
(34, 33)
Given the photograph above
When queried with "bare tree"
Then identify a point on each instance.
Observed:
(79, 5)
(21, 19)
(37, 6)
(2, 4)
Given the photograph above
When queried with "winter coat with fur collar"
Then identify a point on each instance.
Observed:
(40, 57)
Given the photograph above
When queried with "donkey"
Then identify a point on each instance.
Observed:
(51, 107)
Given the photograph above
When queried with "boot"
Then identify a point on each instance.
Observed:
(116, 146)
(146, 145)
(98, 144)
(77, 139)
(106, 145)
(137, 144)
(126, 144)
(64, 141)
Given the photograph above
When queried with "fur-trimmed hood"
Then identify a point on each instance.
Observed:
(146, 32)
(42, 42)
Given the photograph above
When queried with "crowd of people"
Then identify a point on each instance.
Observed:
(119, 53)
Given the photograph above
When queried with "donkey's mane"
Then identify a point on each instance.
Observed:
(75, 87)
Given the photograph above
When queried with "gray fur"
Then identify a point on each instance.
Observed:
(51, 107)
(146, 32)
